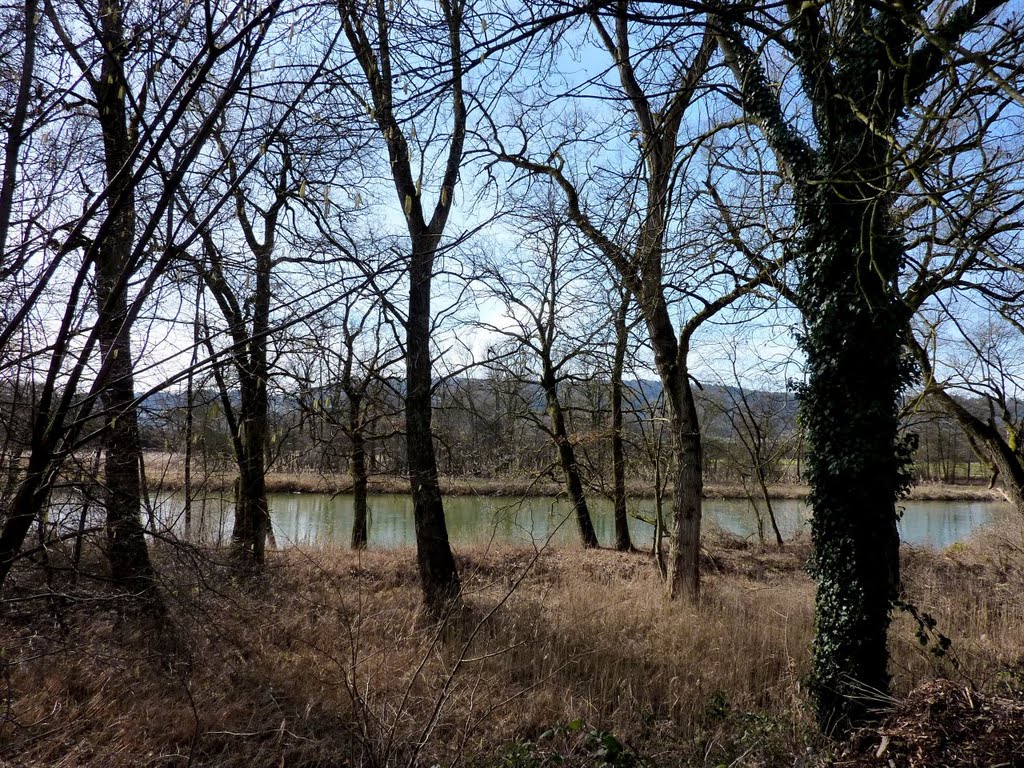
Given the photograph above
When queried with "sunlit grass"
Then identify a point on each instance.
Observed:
(327, 661)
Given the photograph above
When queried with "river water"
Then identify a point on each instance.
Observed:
(322, 519)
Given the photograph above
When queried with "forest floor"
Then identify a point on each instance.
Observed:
(164, 472)
(559, 657)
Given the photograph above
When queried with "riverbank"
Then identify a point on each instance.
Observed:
(560, 657)
(164, 474)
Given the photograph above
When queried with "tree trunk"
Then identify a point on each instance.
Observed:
(129, 558)
(359, 479)
(683, 567)
(252, 512)
(688, 488)
(856, 464)
(849, 258)
(567, 460)
(763, 483)
(439, 577)
(623, 542)
(659, 521)
(16, 119)
(26, 506)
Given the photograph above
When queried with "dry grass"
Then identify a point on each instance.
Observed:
(165, 471)
(327, 662)
(974, 592)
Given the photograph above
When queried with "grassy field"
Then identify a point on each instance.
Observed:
(325, 661)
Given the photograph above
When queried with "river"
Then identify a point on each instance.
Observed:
(321, 519)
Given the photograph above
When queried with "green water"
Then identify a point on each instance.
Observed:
(318, 519)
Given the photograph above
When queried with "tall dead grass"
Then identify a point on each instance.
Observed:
(974, 592)
(326, 660)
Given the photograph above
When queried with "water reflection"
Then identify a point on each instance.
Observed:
(316, 519)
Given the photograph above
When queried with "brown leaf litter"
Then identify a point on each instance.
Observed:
(943, 724)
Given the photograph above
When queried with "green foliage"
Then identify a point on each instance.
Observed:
(849, 256)
(575, 743)
(524, 754)
(857, 463)
(753, 738)
(719, 707)
(1010, 680)
(926, 632)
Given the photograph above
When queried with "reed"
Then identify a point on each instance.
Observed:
(327, 661)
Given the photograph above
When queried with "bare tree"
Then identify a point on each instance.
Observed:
(639, 231)
(119, 67)
(763, 432)
(538, 295)
(621, 322)
(16, 111)
(348, 385)
(389, 46)
(864, 70)
(989, 372)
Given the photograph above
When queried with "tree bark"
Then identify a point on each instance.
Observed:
(359, 479)
(688, 489)
(623, 541)
(253, 525)
(439, 577)
(15, 133)
(856, 474)
(683, 567)
(252, 512)
(857, 465)
(567, 460)
(248, 421)
(129, 558)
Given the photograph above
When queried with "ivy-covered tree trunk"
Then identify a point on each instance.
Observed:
(861, 67)
(857, 466)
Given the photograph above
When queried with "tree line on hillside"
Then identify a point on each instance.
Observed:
(357, 203)
(488, 428)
